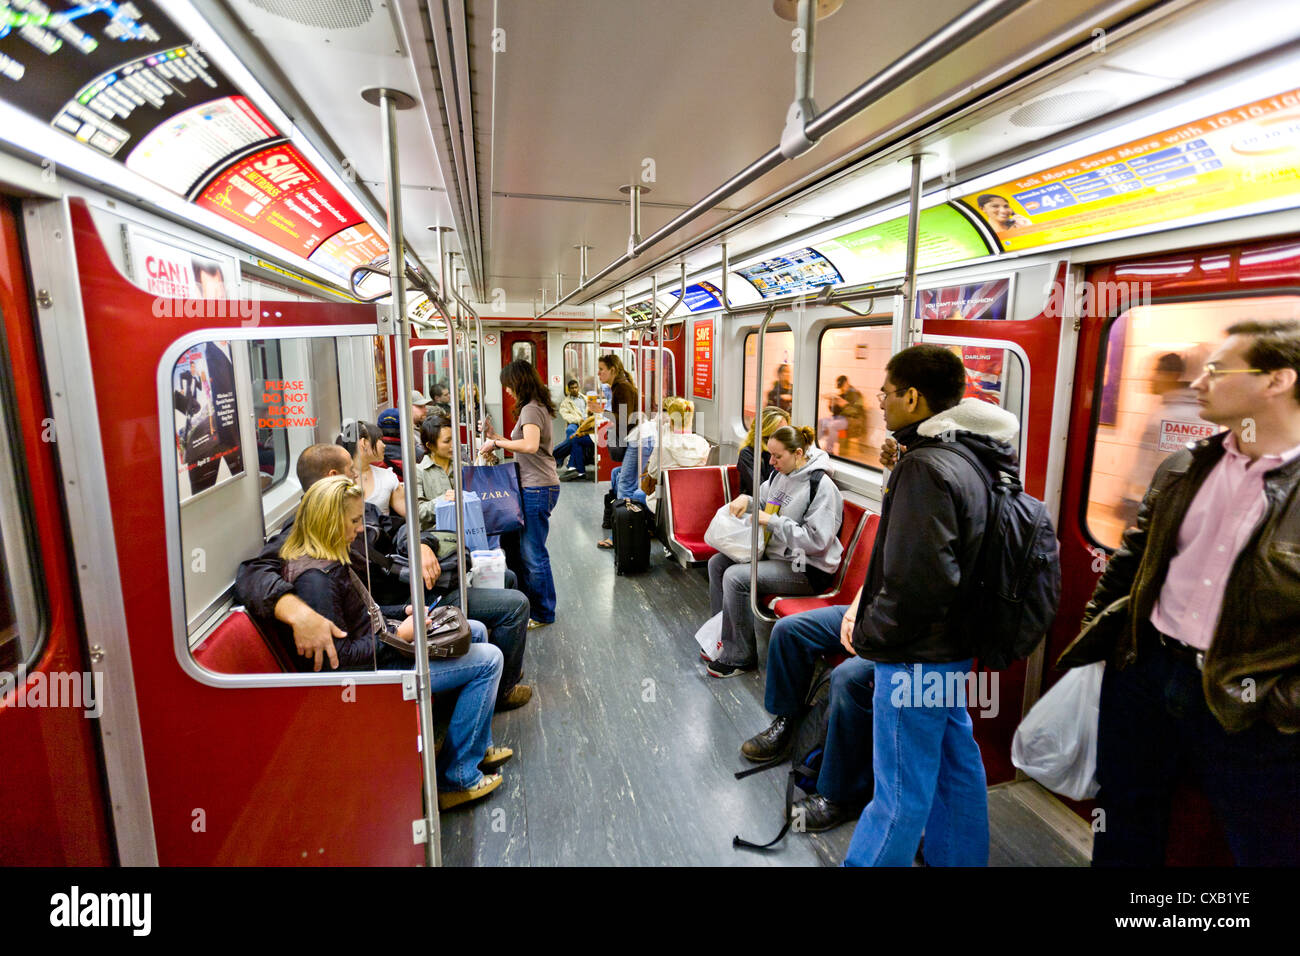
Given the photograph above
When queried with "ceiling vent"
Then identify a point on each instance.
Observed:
(323, 14)
(1061, 109)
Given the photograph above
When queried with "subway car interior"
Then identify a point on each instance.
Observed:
(617, 223)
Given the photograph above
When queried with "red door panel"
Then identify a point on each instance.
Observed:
(52, 799)
(291, 775)
(537, 340)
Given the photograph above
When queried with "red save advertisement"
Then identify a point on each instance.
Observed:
(281, 197)
(702, 386)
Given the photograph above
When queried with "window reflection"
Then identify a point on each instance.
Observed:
(777, 371)
(851, 367)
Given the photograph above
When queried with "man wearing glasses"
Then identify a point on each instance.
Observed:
(1202, 630)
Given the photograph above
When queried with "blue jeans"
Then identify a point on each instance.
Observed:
(929, 776)
(1153, 724)
(792, 654)
(578, 451)
(470, 732)
(537, 582)
(569, 429)
(505, 613)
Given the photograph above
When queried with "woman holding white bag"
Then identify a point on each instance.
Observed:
(800, 517)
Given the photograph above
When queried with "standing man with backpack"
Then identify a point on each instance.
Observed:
(914, 617)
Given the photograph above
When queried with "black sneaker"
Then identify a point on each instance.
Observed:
(771, 743)
(820, 814)
(721, 669)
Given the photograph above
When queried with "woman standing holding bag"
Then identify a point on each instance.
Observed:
(530, 443)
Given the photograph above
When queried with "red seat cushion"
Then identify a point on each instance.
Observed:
(695, 545)
(236, 646)
(855, 573)
(855, 570)
(694, 497)
(787, 606)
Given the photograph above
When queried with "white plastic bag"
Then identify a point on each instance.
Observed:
(1056, 743)
(709, 637)
(729, 534)
(489, 569)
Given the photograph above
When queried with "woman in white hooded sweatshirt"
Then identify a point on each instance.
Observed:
(800, 514)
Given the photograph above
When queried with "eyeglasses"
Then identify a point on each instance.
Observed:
(1214, 373)
(883, 394)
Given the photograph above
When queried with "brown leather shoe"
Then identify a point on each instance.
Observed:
(771, 744)
(454, 798)
(519, 695)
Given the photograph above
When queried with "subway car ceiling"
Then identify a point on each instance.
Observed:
(1092, 117)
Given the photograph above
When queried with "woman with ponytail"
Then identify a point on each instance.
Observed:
(800, 510)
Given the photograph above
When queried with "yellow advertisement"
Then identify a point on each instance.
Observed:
(1235, 158)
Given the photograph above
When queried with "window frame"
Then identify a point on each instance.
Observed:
(1103, 352)
(18, 543)
(886, 322)
(794, 381)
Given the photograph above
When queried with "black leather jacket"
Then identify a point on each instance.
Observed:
(932, 518)
(1252, 669)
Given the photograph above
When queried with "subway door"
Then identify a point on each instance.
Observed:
(531, 347)
(1010, 363)
(52, 798)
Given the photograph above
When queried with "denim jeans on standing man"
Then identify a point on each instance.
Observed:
(536, 581)
(929, 775)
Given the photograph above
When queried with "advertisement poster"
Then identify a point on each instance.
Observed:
(206, 419)
(702, 361)
(1215, 164)
(801, 271)
(381, 373)
(976, 302)
(881, 250)
(163, 269)
(701, 296)
(278, 195)
(983, 371)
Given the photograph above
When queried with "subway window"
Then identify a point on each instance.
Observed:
(777, 373)
(20, 630)
(1146, 408)
(850, 370)
(272, 443)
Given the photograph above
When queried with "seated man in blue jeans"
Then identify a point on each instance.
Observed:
(844, 782)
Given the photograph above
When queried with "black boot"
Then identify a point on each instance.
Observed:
(819, 814)
(771, 743)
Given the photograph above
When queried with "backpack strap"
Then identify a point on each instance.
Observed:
(743, 844)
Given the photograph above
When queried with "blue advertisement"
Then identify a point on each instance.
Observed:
(802, 271)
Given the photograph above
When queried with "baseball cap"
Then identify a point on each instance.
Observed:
(418, 399)
(389, 421)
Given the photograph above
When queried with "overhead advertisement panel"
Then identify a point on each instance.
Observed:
(945, 235)
(803, 270)
(701, 296)
(1214, 165)
(278, 195)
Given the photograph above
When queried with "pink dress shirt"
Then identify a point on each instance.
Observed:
(1219, 522)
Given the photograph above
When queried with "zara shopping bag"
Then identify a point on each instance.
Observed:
(497, 487)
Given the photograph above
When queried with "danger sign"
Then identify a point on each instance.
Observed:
(1174, 435)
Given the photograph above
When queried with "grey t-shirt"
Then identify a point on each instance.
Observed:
(537, 470)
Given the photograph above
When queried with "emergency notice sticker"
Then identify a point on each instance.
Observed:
(1174, 435)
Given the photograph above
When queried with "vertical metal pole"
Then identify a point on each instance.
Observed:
(397, 270)
(717, 349)
(755, 548)
(595, 350)
(912, 323)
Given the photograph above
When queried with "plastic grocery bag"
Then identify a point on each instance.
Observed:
(709, 637)
(489, 569)
(729, 534)
(1056, 743)
(445, 520)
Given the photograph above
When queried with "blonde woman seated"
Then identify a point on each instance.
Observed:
(772, 418)
(317, 564)
(682, 448)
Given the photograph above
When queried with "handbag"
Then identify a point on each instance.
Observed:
(648, 483)
(447, 632)
(497, 487)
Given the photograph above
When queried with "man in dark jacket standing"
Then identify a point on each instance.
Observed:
(1202, 630)
(911, 622)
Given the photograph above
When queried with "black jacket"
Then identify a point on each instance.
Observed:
(1255, 643)
(934, 510)
(745, 464)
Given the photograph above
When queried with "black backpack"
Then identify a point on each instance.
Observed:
(1011, 598)
(806, 755)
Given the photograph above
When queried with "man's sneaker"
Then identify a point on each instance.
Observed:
(720, 669)
(518, 695)
(574, 476)
(820, 814)
(771, 743)
(454, 798)
(494, 758)
(533, 624)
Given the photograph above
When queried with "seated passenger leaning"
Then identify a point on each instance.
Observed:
(800, 514)
(382, 563)
(772, 418)
(317, 562)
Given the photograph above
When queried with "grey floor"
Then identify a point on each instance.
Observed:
(626, 754)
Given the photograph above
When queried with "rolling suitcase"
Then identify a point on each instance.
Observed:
(631, 538)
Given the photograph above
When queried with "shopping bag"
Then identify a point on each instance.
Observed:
(1056, 743)
(709, 637)
(497, 487)
(444, 513)
(489, 569)
(729, 534)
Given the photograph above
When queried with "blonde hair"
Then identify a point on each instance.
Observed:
(319, 530)
(772, 418)
(680, 412)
